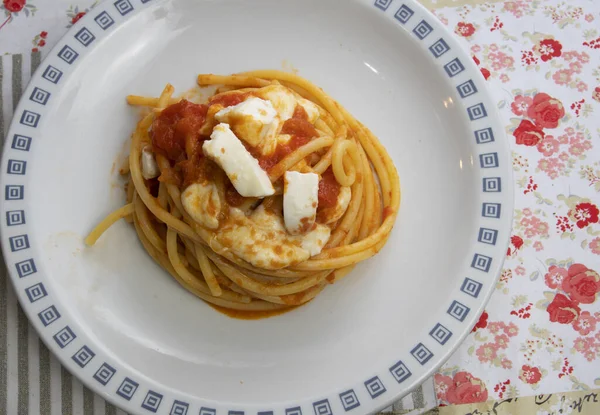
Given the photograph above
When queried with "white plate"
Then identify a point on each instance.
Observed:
(126, 328)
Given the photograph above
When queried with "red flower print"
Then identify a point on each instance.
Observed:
(523, 312)
(487, 352)
(14, 6)
(442, 384)
(567, 369)
(43, 34)
(466, 388)
(548, 146)
(497, 24)
(594, 44)
(482, 323)
(529, 134)
(562, 310)
(576, 106)
(486, 74)
(581, 284)
(495, 327)
(77, 17)
(584, 214)
(549, 48)
(563, 76)
(531, 185)
(42, 43)
(501, 341)
(582, 86)
(517, 241)
(595, 246)
(546, 111)
(555, 276)
(596, 94)
(531, 375)
(511, 329)
(35, 50)
(506, 364)
(465, 29)
(521, 104)
(500, 388)
(528, 58)
(585, 324)
(582, 344)
(477, 62)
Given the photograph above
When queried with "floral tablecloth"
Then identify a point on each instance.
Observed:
(541, 330)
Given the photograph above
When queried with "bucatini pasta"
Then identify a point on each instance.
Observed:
(260, 197)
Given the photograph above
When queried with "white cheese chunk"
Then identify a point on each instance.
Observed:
(253, 120)
(332, 214)
(300, 198)
(202, 203)
(312, 110)
(282, 99)
(315, 240)
(150, 169)
(246, 175)
(261, 239)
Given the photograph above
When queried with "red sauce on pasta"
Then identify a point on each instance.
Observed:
(251, 314)
(228, 100)
(177, 127)
(232, 197)
(387, 211)
(298, 125)
(301, 130)
(329, 189)
(197, 170)
(282, 150)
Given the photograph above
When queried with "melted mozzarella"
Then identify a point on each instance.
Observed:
(202, 203)
(150, 169)
(300, 198)
(315, 240)
(332, 214)
(282, 99)
(261, 239)
(253, 120)
(312, 110)
(246, 175)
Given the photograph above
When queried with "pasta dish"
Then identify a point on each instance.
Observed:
(258, 198)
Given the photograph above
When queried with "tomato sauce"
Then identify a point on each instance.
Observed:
(298, 125)
(329, 189)
(251, 314)
(282, 150)
(171, 176)
(197, 170)
(301, 130)
(387, 211)
(228, 100)
(232, 197)
(177, 124)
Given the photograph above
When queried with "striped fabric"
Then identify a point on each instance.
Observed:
(32, 381)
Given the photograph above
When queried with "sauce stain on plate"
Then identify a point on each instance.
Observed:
(289, 67)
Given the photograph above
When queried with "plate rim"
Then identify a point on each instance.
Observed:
(103, 19)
